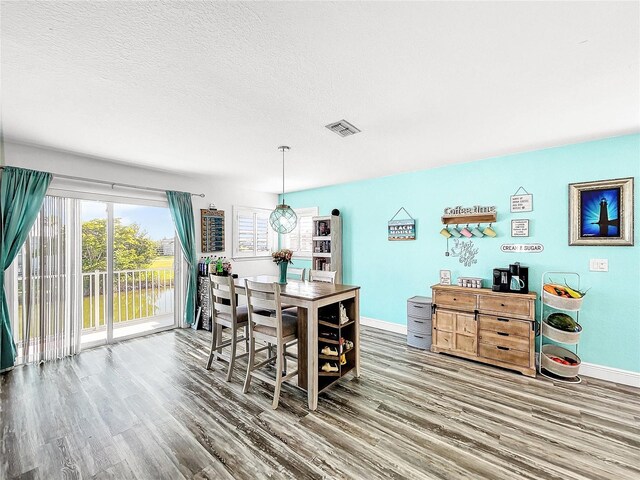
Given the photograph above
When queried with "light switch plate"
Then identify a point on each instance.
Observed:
(599, 265)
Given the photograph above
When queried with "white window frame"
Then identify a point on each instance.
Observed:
(271, 238)
(284, 241)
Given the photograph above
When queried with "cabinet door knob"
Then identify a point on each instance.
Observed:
(504, 334)
(502, 348)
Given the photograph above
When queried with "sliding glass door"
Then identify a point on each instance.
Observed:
(93, 272)
(143, 273)
(128, 270)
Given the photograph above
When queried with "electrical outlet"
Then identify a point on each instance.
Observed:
(599, 265)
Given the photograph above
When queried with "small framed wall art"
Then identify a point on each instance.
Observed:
(520, 227)
(400, 230)
(601, 212)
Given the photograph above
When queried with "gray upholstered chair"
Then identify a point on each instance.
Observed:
(226, 314)
(277, 329)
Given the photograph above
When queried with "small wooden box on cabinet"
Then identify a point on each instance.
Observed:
(419, 322)
(490, 327)
(327, 245)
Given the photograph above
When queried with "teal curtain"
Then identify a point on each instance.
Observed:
(21, 195)
(182, 214)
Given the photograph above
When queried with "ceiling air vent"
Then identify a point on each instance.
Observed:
(343, 128)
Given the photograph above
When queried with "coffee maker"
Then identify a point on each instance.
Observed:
(514, 279)
(519, 278)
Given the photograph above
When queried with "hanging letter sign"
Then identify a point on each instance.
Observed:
(522, 202)
(402, 229)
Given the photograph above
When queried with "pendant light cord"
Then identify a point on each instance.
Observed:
(283, 148)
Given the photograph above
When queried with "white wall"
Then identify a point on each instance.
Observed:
(223, 194)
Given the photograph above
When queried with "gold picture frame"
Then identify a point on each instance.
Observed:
(601, 213)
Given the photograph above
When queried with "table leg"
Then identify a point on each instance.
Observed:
(356, 300)
(302, 348)
(312, 357)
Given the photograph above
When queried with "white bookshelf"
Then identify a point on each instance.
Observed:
(327, 245)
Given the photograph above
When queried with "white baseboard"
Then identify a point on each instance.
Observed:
(382, 325)
(616, 375)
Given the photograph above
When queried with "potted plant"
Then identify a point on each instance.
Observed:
(282, 258)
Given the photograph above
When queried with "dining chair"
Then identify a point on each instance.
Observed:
(296, 273)
(225, 313)
(278, 328)
(322, 276)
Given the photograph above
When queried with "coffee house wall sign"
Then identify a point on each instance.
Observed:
(475, 214)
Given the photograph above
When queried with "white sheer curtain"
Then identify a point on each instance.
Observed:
(47, 313)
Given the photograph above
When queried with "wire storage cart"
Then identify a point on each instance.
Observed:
(558, 347)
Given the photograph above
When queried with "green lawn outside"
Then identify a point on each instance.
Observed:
(142, 303)
(162, 262)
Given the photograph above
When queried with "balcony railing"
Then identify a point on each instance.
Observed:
(137, 295)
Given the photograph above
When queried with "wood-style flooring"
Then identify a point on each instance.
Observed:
(147, 408)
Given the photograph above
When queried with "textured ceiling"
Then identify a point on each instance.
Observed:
(216, 87)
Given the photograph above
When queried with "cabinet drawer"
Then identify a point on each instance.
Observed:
(504, 354)
(463, 301)
(419, 340)
(419, 325)
(521, 307)
(519, 328)
(418, 310)
(504, 339)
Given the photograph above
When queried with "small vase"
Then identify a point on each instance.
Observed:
(283, 273)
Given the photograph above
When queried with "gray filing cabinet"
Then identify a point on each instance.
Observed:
(419, 322)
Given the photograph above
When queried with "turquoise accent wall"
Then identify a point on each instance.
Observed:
(391, 272)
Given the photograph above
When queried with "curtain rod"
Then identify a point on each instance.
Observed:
(113, 184)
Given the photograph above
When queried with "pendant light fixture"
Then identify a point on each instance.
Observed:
(283, 219)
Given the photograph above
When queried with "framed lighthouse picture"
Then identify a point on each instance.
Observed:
(601, 212)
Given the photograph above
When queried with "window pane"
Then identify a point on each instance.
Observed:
(252, 232)
(293, 239)
(245, 233)
(305, 226)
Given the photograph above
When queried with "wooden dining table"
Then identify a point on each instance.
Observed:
(309, 297)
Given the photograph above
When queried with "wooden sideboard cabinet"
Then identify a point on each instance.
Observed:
(490, 327)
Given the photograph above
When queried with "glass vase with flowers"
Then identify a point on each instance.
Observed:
(282, 258)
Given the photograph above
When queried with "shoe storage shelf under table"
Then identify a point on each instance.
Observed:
(336, 337)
